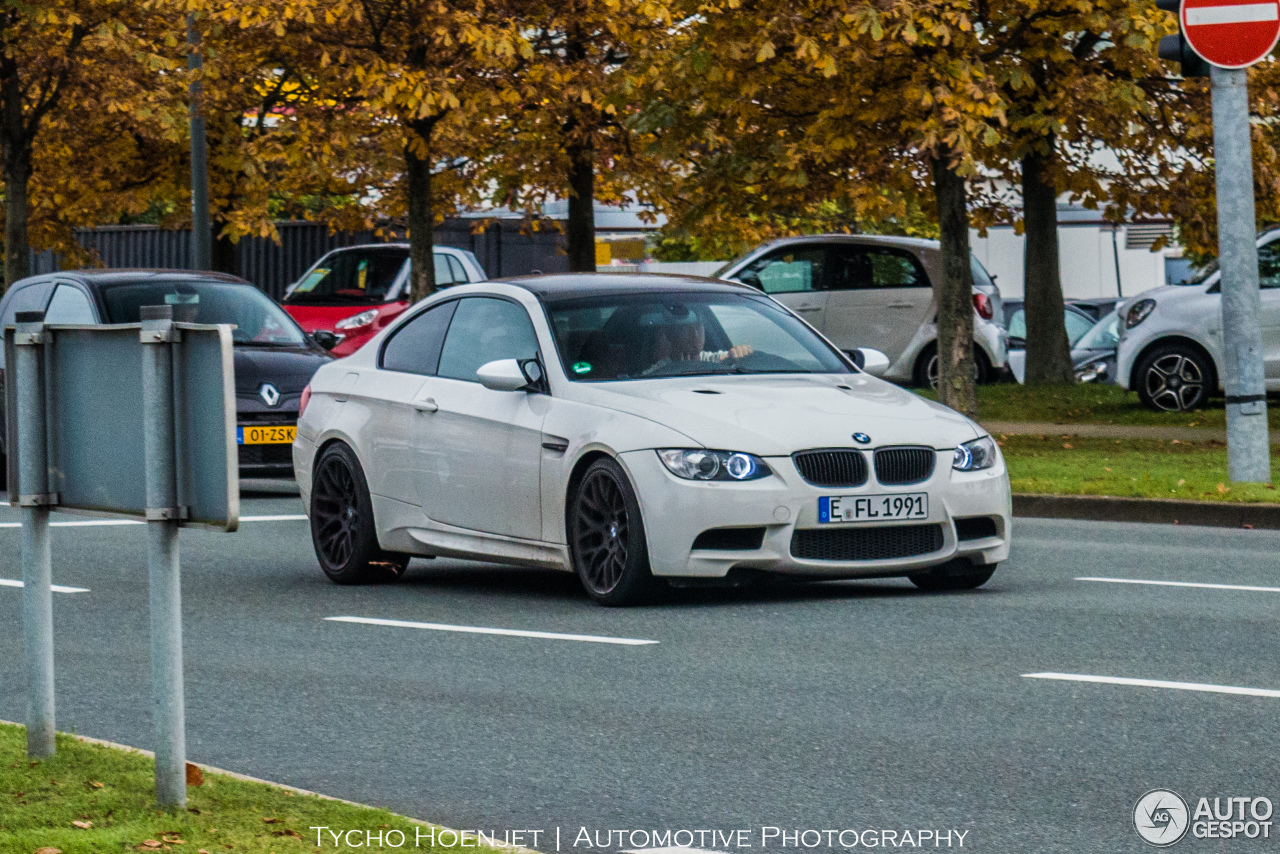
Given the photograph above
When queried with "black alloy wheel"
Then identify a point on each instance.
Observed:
(606, 537)
(1174, 378)
(958, 574)
(342, 526)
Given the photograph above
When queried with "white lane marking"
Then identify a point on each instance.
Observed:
(1155, 683)
(1247, 587)
(1238, 13)
(56, 588)
(106, 523)
(479, 630)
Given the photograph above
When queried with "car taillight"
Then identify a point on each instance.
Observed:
(304, 400)
(982, 303)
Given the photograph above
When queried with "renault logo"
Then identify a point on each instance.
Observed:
(862, 438)
(269, 394)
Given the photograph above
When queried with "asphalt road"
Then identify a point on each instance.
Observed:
(863, 705)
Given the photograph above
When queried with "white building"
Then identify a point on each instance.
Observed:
(1096, 258)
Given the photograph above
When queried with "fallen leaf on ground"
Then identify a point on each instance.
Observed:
(202, 851)
(1223, 489)
(94, 784)
(1181, 482)
(150, 843)
(47, 851)
(195, 777)
(1108, 468)
(83, 825)
(1067, 445)
(193, 810)
(270, 820)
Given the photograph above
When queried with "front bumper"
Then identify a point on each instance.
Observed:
(676, 511)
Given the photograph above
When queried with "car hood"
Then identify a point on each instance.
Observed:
(289, 369)
(776, 416)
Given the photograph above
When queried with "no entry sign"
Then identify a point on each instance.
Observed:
(1231, 33)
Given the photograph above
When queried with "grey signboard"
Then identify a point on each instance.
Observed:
(94, 418)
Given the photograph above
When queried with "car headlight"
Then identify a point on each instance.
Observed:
(1092, 373)
(364, 318)
(975, 455)
(700, 464)
(1138, 312)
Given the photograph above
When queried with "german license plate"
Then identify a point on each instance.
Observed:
(266, 435)
(873, 508)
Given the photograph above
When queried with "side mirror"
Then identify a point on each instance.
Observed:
(502, 375)
(871, 361)
(326, 339)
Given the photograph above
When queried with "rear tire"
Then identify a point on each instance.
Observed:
(342, 525)
(607, 542)
(925, 373)
(958, 574)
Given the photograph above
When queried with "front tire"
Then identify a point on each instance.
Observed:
(1174, 378)
(342, 525)
(606, 538)
(958, 574)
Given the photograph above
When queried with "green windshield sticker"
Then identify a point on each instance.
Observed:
(582, 367)
(313, 278)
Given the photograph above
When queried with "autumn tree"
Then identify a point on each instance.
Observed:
(567, 134)
(59, 54)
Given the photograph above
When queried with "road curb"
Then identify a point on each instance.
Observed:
(1106, 508)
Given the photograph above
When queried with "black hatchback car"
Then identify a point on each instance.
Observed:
(274, 358)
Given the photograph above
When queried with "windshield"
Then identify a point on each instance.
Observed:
(639, 336)
(351, 277)
(1105, 334)
(257, 319)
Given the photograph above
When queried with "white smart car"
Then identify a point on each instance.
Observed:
(1170, 349)
(634, 428)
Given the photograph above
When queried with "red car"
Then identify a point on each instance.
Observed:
(351, 293)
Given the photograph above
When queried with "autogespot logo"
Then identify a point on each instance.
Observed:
(1160, 817)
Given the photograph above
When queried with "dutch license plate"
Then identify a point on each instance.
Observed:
(266, 435)
(873, 508)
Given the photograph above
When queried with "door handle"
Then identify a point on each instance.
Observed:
(428, 405)
(901, 305)
(809, 308)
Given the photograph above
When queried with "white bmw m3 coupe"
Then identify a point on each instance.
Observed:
(635, 429)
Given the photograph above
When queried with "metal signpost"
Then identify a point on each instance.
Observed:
(1231, 35)
(161, 395)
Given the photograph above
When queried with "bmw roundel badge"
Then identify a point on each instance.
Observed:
(862, 438)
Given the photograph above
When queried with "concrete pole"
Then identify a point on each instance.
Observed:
(1248, 450)
(201, 230)
(37, 572)
(162, 557)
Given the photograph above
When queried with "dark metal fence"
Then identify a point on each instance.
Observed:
(503, 247)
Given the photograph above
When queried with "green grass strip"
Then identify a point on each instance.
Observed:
(112, 793)
(1141, 468)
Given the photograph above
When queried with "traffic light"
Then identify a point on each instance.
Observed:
(1176, 48)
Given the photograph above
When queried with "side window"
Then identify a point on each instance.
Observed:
(459, 274)
(484, 330)
(786, 271)
(876, 267)
(443, 276)
(1269, 265)
(27, 298)
(1077, 326)
(415, 347)
(69, 305)
(1018, 324)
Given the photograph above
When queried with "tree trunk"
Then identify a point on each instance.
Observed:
(224, 258)
(17, 175)
(956, 368)
(1048, 350)
(582, 217)
(422, 268)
